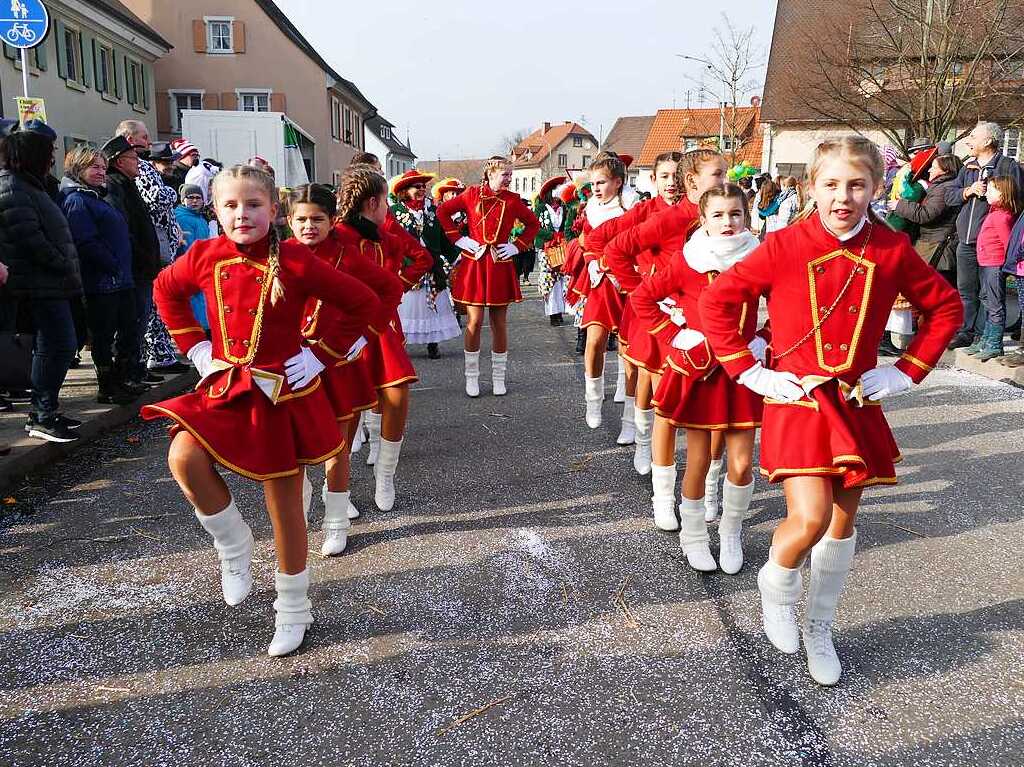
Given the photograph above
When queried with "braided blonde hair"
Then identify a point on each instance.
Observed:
(359, 183)
(690, 165)
(265, 181)
(494, 163)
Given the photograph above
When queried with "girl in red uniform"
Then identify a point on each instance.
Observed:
(830, 281)
(662, 237)
(636, 425)
(389, 246)
(340, 340)
(695, 393)
(259, 409)
(485, 275)
(595, 285)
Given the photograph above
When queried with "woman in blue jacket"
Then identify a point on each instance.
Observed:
(104, 247)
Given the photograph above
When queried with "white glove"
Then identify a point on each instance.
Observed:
(686, 339)
(355, 349)
(668, 306)
(468, 244)
(201, 355)
(784, 387)
(759, 347)
(594, 269)
(885, 381)
(506, 250)
(301, 369)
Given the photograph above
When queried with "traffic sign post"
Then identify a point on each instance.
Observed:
(24, 26)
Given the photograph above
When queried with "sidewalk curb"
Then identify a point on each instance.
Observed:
(992, 369)
(24, 462)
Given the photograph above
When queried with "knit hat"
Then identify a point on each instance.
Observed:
(187, 189)
(183, 147)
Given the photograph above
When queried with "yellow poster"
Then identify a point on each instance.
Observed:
(30, 109)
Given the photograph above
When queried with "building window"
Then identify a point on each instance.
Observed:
(533, 184)
(796, 170)
(73, 54)
(335, 118)
(104, 69)
(577, 141)
(1011, 143)
(180, 101)
(357, 131)
(348, 126)
(218, 36)
(586, 160)
(563, 161)
(690, 144)
(133, 82)
(254, 102)
(336, 178)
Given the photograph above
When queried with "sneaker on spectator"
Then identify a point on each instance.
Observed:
(172, 369)
(52, 430)
(5, 405)
(70, 423)
(18, 395)
(960, 341)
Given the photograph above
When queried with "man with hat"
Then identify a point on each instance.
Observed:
(164, 159)
(122, 170)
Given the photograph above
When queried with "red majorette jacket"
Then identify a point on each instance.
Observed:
(402, 253)
(655, 241)
(246, 330)
(332, 330)
(490, 217)
(805, 271)
(598, 239)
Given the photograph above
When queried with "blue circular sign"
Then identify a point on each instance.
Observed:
(23, 23)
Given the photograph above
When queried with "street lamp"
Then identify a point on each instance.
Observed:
(721, 104)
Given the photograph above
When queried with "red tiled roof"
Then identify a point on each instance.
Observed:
(628, 135)
(672, 126)
(540, 144)
(469, 172)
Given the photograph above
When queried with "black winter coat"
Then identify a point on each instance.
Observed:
(35, 241)
(124, 195)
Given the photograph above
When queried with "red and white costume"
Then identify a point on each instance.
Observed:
(350, 383)
(695, 392)
(490, 216)
(245, 414)
(804, 270)
(603, 301)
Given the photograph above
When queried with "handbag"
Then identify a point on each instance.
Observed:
(15, 360)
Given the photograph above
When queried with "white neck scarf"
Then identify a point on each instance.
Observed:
(850, 234)
(705, 253)
(556, 216)
(599, 212)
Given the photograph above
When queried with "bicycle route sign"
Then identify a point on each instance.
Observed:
(23, 23)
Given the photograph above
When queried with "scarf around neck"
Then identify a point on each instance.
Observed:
(705, 253)
(599, 212)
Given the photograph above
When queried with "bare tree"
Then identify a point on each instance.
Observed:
(732, 63)
(511, 140)
(918, 69)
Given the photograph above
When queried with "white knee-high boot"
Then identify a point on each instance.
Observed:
(594, 396)
(693, 535)
(780, 589)
(627, 434)
(711, 484)
(336, 522)
(735, 502)
(294, 612)
(663, 500)
(384, 472)
(307, 495)
(234, 543)
(353, 512)
(360, 436)
(644, 422)
(620, 381)
(473, 374)
(499, 365)
(831, 559)
(373, 438)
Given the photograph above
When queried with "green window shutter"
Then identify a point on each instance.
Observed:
(10, 53)
(96, 65)
(116, 74)
(129, 83)
(40, 50)
(85, 48)
(62, 56)
(146, 80)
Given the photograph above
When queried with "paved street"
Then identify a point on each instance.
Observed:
(519, 569)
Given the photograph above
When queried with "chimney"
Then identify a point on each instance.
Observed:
(545, 129)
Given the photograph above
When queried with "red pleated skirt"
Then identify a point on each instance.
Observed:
(245, 432)
(387, 360)
(485, 282)
(604, 306)
(350, 387)
(828, 436)
(713, 402)
(637, 344)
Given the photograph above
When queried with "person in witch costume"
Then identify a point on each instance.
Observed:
(259, 409)
(829, 280)
(426, 310)
(485, 276)
(550, 243)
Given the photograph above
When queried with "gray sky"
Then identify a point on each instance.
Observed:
(461, 73)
